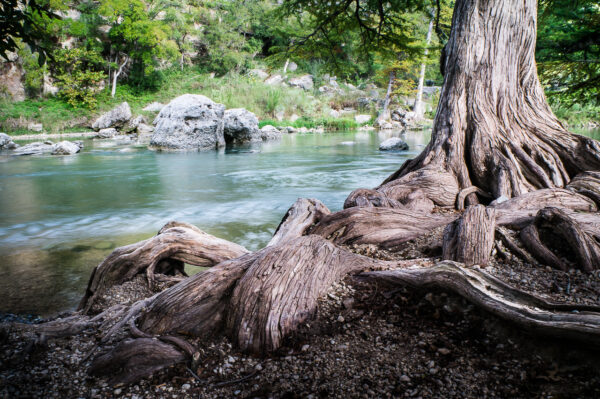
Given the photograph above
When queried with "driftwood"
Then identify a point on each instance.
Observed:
(470, 238)
(164, 253)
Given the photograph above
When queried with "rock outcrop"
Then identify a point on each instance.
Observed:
(48, 147)
(189, 122)
(393, 144)
(269, 132)
(116, 117)
(240, 126)
(66, 148)
(107, 133)
(6, 142)
(304, 82)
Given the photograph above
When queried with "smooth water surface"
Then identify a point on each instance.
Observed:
(60, 216)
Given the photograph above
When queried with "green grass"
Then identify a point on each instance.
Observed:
(576, 115)
(232, 90)
(311, 123)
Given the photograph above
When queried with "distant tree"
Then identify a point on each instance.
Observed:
(135, 39)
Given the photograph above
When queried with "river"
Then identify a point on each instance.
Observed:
(60, 216)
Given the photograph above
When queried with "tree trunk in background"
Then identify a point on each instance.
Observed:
(384, 115)
(116, 76)
(418, 107)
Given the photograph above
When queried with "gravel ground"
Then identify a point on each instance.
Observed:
(366, 341)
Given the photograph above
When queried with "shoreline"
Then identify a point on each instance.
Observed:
(45, 136)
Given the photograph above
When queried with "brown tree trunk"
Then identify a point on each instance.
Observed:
(493, 128)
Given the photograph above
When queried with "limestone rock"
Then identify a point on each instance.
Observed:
(36, 148)
(269, 132)
(189, 122)
(304, 82)
(259, 74)
(107, 133)
(65, 148)
(393, 144)
(240, 126)
(274, 80)
(6, 142)
(116, 117)
(154, 107)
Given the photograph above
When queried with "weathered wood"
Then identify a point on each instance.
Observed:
(561, 231)
(574, 322)
(134, 359)
(470, 238)
(588, 184)
(304, 214)
(518, 212)
(385, 227)
(174, 244)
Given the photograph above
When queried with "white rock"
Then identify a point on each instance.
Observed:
(274, 80)
(116, 117)
(304, 82)
(393, 144)
(65, 148)
(362, 118)
(154, 107)
(189, 122)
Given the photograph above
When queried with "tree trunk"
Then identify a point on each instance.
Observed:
(418, 107)
(116, 75)
(384, 115)
(493, 128)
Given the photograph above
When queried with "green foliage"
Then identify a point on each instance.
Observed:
(32, 21)
(78, 75)
(330, 124)
(568, 50)
(34, 72)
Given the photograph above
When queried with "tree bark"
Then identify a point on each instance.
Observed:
(493, 128)
(470, 238)
(384, 115)
(116, 75)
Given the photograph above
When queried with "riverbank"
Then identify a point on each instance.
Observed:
(46, 136)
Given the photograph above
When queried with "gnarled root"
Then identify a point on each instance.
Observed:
(385, 227)
(303, 215)
(569, 234)
(436, 187)
(580, 323)
(164, 253)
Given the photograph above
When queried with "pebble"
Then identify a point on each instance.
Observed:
(340, 318)
(185, 387)
(117, 391)
(305, 347)
(444, 351)
(404, 378)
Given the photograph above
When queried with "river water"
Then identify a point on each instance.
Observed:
(60, 216)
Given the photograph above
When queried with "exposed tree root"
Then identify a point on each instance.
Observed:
(470, 238)
(164, 253)
(303, 215)
(385, 227)
(564, 233)
(580, 323)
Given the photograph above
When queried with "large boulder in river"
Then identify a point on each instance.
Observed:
(240, 126)
(66, 148)
(116, 117)
(6, 142)
(393, 144)
(36, 148)
(189, 122)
